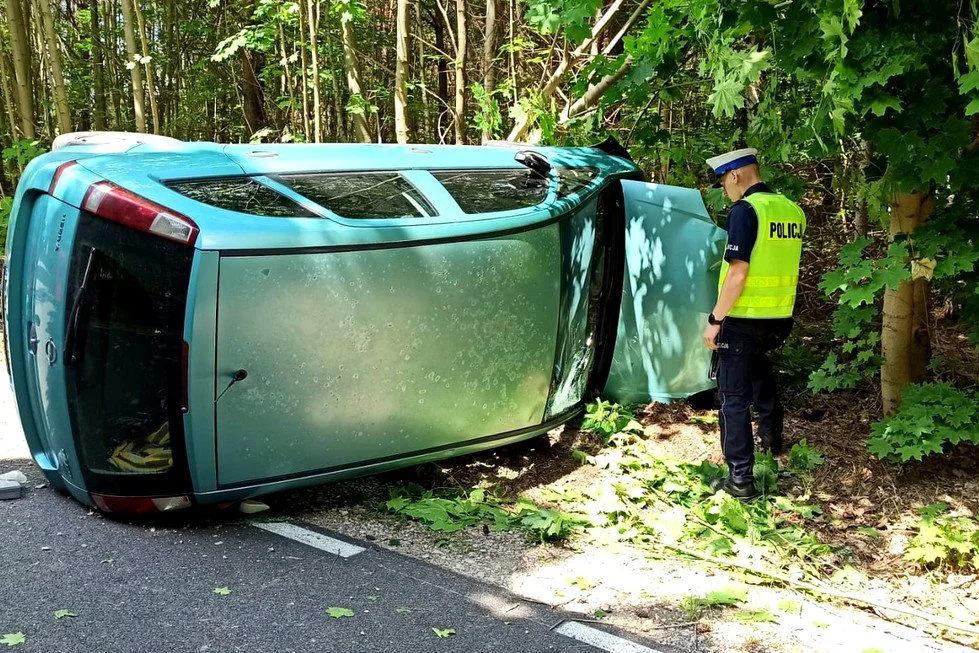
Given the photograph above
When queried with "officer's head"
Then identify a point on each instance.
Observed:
(735, 171)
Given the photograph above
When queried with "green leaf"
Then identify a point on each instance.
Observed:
(789, 606)
(61, 614)
(403, 610)
(444, 632)
(880, 105)
(869, 532)
(339, 613)
(13, 639)
(727, 596)
(600, 614)
(223, 591)
(755, 616)
(726, 98)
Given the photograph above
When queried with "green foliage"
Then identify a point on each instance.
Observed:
(6, 204)
(451, 512)
(488, 117)
(932, 416)
(944, 540)
(802, 457)
(727, 597)
(605, 419)
(21, 151)
(340, 613)
(548, 16)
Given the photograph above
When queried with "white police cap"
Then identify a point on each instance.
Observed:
(733, 160)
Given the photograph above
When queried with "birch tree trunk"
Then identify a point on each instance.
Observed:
(23, 76)
(98, 78)
(908, 211)
(150, 77)
(133, 65)
(313, 19)
(401, 75)
(461, 48)
(489, 58)
(352, 68)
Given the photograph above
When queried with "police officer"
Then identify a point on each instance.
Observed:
(753, 314)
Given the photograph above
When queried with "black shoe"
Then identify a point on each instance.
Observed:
(742, 491)
(769, 444)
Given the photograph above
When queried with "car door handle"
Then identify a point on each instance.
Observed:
(32, 339)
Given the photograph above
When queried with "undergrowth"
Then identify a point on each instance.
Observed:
(449, 511)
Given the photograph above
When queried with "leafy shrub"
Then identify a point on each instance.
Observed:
(943, 539)
(932, 415)
(804, 458)
(606, 419)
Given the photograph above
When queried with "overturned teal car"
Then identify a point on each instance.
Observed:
(194, 323)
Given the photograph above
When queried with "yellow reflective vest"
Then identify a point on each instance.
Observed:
(773, 272)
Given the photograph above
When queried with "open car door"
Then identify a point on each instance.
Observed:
(673, 254)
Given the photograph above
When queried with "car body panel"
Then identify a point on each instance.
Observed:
(673, 254)
(376, 343)
(368, 354)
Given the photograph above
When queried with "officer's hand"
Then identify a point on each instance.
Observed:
(710, 335)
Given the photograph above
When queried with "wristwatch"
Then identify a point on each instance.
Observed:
(713, 321)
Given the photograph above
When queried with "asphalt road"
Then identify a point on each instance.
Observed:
(149, 586)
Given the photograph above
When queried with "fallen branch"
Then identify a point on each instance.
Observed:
(828, 591)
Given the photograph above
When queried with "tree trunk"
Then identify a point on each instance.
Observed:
(908, 211)
(352, 68)
(53, 50)
(421, 127)
(461, 48)
(489, 59)
(133, 64)
(23, 76)
(150, 77)
(313, 20)
(253, 97)
(401, 75)
(5, 90)
(442, 66)
(307, 128)
(98, 80)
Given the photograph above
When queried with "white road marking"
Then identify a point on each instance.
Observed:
(310, 538)
(601, 639)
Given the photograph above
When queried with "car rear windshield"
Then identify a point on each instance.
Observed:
(361, 195)
(486, 191)
(241, 194)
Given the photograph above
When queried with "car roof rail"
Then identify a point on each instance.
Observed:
(124, 140)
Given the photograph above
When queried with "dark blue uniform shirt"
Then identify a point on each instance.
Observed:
(742, 226)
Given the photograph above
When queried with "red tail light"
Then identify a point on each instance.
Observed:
(184, 377)
(110, 503)
(57, 175)
(111, 202)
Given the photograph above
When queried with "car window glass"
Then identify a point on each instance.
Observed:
(361, 195)
(485, 191)
(243, 195)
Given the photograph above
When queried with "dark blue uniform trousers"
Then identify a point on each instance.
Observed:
(745, 377)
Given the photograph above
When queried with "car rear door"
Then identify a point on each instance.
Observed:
(672, 260)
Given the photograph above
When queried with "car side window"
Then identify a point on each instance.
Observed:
(241, 194)
(487, 191)
(361, 195)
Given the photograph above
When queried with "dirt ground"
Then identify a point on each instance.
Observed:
(646, 594)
